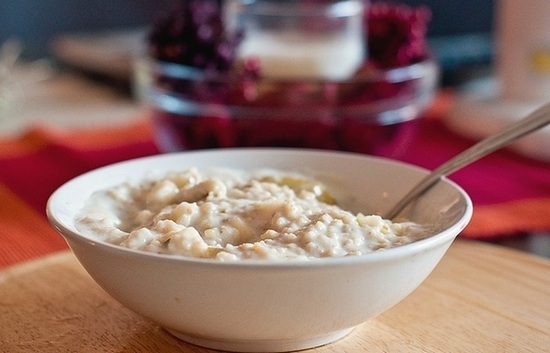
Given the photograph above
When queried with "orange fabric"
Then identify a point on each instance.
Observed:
(441, 105)
(39, 136)
(528, 215)
(24, 233)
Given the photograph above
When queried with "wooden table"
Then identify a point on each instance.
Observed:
(481, 298)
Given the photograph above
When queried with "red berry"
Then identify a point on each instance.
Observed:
(396, 34)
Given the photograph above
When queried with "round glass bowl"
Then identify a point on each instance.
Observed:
(374, 112)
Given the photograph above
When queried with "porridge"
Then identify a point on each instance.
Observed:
(232, 214)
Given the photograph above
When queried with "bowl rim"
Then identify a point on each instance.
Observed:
(427, 67)
(447, 235)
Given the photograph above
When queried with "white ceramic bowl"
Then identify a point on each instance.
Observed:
(268, 306)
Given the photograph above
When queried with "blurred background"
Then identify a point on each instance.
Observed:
(460, 32)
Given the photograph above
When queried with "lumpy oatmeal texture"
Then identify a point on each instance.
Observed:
(231, 215)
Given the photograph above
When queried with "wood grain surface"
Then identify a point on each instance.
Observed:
(480, 298)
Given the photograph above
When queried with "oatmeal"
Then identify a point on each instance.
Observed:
(230, 215)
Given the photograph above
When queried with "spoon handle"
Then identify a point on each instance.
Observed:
(534, 121)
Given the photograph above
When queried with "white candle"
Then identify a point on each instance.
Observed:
(287, 51)
(291, 56)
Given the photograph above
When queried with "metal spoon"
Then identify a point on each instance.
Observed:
(534, 121)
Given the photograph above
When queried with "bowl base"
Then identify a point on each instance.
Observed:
(261, 345)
